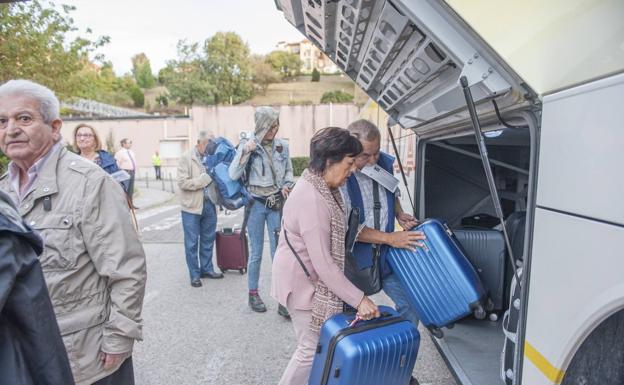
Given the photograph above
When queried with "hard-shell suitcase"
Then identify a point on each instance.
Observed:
(232, 250)
(485, 249)
(438, 279)
(377, 352)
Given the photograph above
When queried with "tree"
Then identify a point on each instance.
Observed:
(142, 71)
(285, 63)
(316, 75)
(336, 97)
(33, 46)
(262, 74)
(186, 78)
(228, 67)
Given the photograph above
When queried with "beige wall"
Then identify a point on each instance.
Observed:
(297, 125)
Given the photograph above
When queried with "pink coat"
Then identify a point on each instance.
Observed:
(307, 220)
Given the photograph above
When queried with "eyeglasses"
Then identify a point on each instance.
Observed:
(84, 136)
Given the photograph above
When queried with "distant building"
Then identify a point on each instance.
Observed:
(310, 56)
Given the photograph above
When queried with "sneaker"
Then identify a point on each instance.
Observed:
(256, 304)
(281, 310)
(196, 283)
(414, 381)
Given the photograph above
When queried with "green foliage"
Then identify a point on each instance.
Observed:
(163, 100)
(4, 162)
(33, 46)
(137, 95)
(316, 75)
(262, 74)
(300, 164)
(186, 78)
(142, 71)
(285, 63)
(228, 67)
(336, 97)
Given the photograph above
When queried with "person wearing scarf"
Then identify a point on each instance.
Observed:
(312, 284)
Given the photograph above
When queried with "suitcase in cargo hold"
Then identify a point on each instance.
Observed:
(438, 279)
(485, 249)
(232, 251)
(376, 352)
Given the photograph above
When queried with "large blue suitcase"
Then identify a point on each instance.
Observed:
(440, 282)
(377, 352)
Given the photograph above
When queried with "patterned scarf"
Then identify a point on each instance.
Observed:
(325, 303)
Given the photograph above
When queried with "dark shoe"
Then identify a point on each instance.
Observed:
(414, 381)
(256, 303)
(196, 283)
(281, 310)
(212, 275)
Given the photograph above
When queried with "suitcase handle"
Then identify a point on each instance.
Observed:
(384, 315)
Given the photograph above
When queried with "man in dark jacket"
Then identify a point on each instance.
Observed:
(31, 348)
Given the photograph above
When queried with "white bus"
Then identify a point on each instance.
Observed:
(554, 70)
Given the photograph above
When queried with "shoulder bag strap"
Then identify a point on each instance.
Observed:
(376, 212)
(305, 270)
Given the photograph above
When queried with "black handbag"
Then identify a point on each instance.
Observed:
(368, 279)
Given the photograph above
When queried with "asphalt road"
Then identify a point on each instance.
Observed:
(208, 335)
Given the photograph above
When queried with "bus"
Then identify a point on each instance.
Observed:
(542, 84)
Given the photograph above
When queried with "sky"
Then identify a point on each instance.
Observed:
(155, 26)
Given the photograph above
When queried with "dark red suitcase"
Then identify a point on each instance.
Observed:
(232, 250)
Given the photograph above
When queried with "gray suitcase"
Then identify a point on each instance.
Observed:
(485, 249)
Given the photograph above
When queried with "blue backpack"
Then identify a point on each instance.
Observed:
(232, 194)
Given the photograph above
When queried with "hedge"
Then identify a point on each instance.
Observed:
(299, 164)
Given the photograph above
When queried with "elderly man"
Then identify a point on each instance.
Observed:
(380, 208)
(31, 348)
(199, 217)
(93, 262)
(126, 160)
(269, 173)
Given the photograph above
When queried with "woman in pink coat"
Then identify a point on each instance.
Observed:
(308, 268)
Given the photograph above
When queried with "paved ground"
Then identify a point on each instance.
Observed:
(208, 335)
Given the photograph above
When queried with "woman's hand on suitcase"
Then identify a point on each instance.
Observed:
(367, 309)
(405, 239)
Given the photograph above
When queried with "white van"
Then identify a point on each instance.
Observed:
(554, 70)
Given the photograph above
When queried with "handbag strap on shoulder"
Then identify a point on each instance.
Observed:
(305, 270)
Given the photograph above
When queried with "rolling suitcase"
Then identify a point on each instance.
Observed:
(438, 279)
(485, 249)
(232, 247)
(232, 250)
(377, 352)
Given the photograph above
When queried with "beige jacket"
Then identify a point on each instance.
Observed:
(93, 262)
(192, 179)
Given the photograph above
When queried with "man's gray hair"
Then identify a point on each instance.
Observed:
(204, 135)
(364, 130)
(49, 105)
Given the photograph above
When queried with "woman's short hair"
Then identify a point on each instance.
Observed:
(330, 145)
(96, 137)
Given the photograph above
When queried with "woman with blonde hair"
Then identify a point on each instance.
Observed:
(87, 144)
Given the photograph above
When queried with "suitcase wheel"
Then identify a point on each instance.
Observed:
(479, 312)
(242, 271)
(436, 332)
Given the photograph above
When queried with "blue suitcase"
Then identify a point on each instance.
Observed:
(441, 284)
(377, 352)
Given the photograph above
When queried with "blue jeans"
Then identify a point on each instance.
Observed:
(258, 215)
(394, 290)
(199, 237)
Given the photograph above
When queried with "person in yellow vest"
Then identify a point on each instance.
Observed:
(156, 162)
